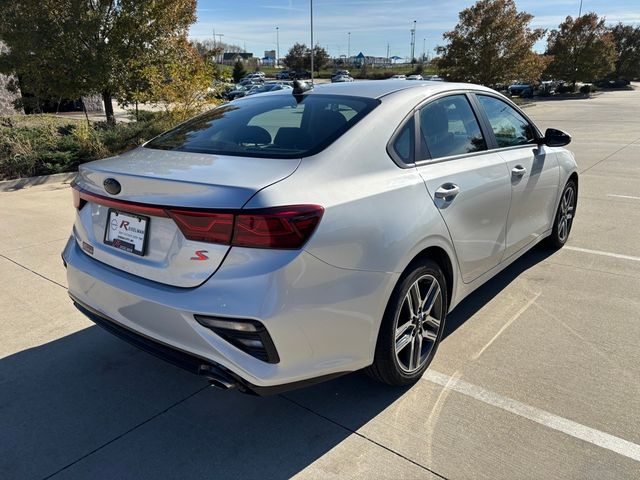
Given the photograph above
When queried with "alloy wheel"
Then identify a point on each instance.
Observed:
(567, 206)
(418, 323)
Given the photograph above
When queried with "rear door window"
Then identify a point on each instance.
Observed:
(403, 144)
(449, 127)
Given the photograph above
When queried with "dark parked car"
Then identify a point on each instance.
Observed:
(283, 75)
(521, 89)
(238, 91)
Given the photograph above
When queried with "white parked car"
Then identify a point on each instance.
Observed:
(415, 77)
(290, 237)
(398, 77)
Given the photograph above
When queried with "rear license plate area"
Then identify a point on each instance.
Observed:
(127, 232)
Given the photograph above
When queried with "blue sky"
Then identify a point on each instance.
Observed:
(372, 23)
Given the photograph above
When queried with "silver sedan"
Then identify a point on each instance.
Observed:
(281, 240)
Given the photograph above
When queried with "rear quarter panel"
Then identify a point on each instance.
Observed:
(378, 216)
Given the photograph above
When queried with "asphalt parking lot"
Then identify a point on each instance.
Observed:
(538, 376)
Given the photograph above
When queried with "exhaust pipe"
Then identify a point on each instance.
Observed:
(217, 379)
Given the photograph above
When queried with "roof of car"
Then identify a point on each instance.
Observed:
(380, 88)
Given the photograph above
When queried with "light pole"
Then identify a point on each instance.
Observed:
(348, 46)
(311, 5)
(277, 47)
(424, 48)
(413, 41)
(580, 11)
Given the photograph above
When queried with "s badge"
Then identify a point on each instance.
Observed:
(200, 255)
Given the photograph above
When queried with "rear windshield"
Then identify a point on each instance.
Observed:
(273, 126)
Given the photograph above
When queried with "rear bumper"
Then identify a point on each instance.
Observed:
(216, 374)
(323, 320)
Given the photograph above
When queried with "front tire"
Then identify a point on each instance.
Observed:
(564, 216)
(412, 326)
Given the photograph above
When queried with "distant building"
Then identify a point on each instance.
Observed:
(269, 58)
(361, 59)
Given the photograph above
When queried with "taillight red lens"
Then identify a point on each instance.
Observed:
(281, 227)
(204, 226)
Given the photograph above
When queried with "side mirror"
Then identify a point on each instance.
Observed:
(555, 138)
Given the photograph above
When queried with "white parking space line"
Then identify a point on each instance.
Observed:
(600, 252)
(549, 420)
(623, 196)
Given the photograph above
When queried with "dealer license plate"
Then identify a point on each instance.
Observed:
(126, 231)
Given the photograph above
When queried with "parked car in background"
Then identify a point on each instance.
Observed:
(259, 75)
(547, 87)
(521, 89)
(415, 77)
(434, 78)
(341, 79)
(267, 87)
(238, 91)
(238, 246)
(340, 73)
(249, 82)
(398, 77)
(283, 75)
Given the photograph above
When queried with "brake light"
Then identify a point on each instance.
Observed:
(282, 227)
(204, 226)
(287, 227)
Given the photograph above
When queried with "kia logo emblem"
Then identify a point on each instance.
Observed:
(112, 186)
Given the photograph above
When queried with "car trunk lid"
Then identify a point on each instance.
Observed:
(152, 182)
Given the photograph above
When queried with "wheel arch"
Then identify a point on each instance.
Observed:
(444, 261)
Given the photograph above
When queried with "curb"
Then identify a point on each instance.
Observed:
(20, 183)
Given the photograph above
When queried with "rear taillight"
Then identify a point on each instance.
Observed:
(282, 227)
(204, 226)
(279, 227)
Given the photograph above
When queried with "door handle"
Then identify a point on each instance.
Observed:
(518, 171)
(447, 191)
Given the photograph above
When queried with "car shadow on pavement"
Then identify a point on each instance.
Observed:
(90, 406)
(474, 302)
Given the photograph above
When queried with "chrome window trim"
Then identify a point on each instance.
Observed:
(471, 154)
(481, 117)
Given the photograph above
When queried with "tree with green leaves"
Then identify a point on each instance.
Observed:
(492, 43)
(320, 58)
(71, 48)
(299, 57)
(626, 39)
(581, 49)
(295, 58)
(180, 82)
(238, 71)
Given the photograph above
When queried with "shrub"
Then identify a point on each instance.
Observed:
(40, 144)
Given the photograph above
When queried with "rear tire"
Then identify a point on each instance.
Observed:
(412, 325)
(565, 215)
